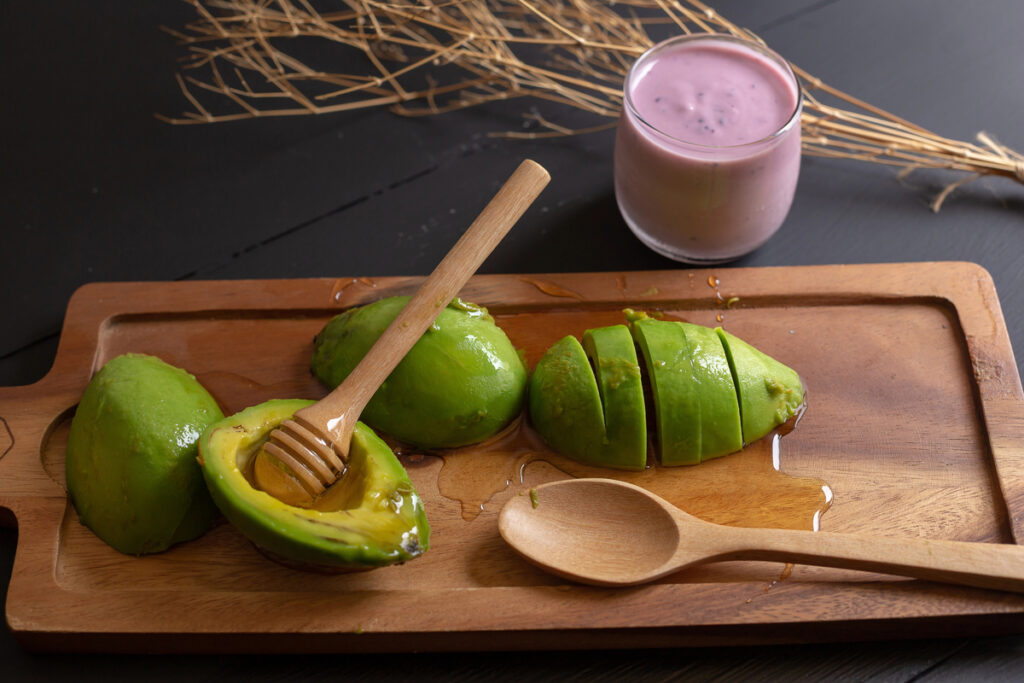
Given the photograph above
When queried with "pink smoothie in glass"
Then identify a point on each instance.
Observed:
(708, 147)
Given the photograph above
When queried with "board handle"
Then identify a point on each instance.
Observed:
(29, 466)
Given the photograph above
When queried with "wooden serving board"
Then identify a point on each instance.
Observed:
(914, 423)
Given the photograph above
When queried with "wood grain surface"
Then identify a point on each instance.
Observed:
(95, 188)
(910, 377)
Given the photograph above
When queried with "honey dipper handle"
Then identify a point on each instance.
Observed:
(982, 565)
(340, 409)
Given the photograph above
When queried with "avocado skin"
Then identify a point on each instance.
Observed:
(769, 392)
(594, 419)
(379, 519)
(461, 383)
(130, 463)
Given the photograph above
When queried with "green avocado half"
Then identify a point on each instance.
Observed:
(461, 383)
(709, 393)
(131, 455)
(594, 417)
(374, 517)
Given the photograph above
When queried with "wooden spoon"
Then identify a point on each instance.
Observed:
(610, 533)
(311, 449)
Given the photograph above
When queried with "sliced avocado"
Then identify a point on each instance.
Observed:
(720, 427)
(130, 464)
(565, 404)
(461, 383)
(769, 392)
(673, 389)
(371, 518)
(597, 419)
(612, 352)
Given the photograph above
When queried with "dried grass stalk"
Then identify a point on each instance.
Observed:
(422, 57)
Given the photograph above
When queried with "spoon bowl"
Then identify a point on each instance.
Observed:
(610, 533)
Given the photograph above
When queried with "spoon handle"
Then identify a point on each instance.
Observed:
(983, 565)
(340, 409)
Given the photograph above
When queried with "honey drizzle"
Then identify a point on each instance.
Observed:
(746, 488)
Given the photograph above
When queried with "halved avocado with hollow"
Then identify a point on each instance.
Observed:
(130, 462)
(586, 400)
(461, 383)
(371, 518)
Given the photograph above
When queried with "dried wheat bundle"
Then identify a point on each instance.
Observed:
(262, 58)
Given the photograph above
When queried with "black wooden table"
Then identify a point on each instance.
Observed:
(95, 188)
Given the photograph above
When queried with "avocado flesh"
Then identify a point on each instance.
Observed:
(675, 394)
(371, 518)
(769, 392)
(130, 463)
(720, 429)
(461, 383)
(594, 418)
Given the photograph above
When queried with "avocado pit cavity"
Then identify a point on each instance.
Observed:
(371, 517)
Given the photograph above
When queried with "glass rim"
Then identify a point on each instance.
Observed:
(793, 117)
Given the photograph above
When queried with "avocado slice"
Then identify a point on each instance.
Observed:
(612, 352)
(595, 418)
(371, 518)
(130, 463)
(769, 392)
(675, 394)
(461, 383)
(565, 403)
(720, 427)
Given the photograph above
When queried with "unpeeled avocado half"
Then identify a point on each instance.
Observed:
(371, 518)
(131, 455)
(461, 383)
(587, 402)
(710, 393)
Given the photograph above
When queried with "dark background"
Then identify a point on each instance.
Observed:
(95, 188)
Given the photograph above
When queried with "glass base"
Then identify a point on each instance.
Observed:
(675, 253)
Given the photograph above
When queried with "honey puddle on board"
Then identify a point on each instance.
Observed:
(746, 488)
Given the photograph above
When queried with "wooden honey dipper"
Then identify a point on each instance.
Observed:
(312, 447)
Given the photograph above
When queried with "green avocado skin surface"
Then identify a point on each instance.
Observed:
(130, 464)
(461, 383)
(376, 519)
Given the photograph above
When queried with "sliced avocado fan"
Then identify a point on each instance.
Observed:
(709, 392)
